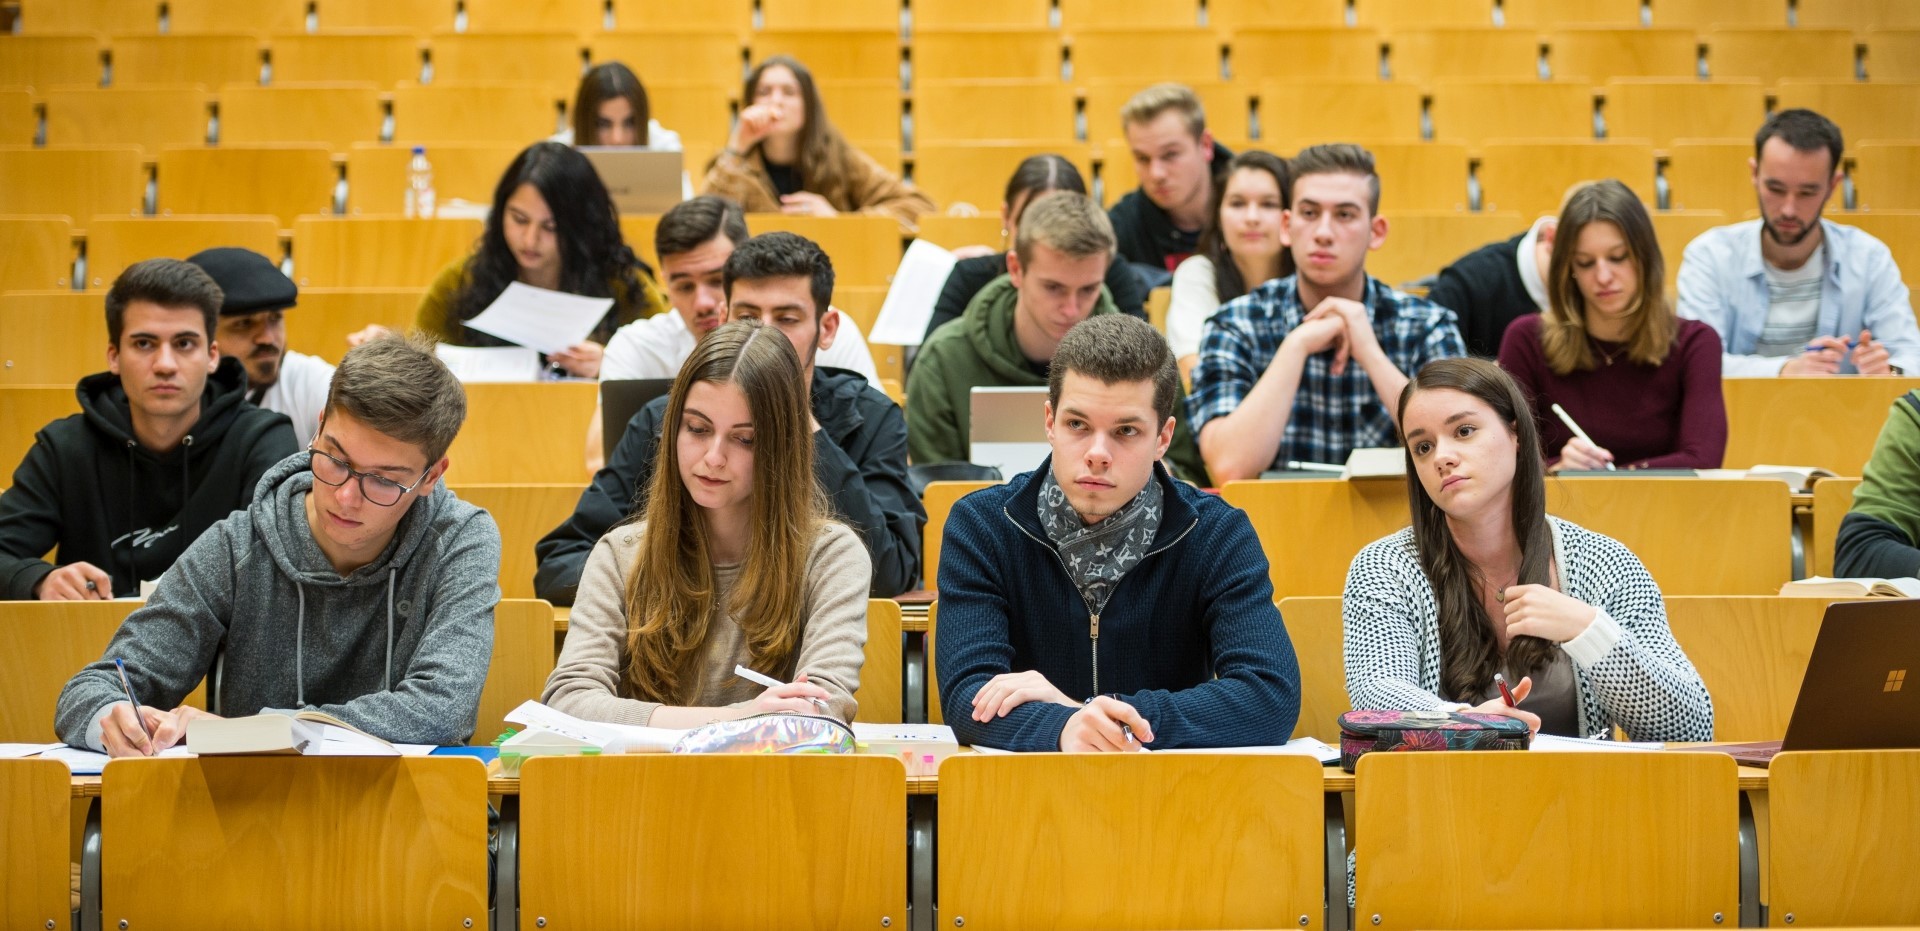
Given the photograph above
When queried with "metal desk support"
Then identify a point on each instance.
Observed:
(506, 867)
(922, 812)
(1339, 915)
(1752, 914)
(90, 916)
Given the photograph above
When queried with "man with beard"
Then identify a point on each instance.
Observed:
(1791, 293)
(253, 328)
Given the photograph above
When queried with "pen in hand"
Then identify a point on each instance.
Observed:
(1506, 694)
(1567, 419)
(126, 686)
(770, 682)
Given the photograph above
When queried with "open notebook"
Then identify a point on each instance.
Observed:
(305, 733)
(1822, 587)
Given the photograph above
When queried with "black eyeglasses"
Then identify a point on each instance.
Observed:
(381, 491)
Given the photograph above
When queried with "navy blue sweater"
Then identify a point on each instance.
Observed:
(1199, 605)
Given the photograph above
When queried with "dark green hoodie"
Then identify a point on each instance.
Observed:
(979, 350)
(89, 492)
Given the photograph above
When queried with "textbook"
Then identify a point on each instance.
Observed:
(920, 746)
(1798, 478)
(310, 733)
(1376, 462)
(1820, 586)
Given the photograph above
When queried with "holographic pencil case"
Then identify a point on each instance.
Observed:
(1364, 732)
(769, 733)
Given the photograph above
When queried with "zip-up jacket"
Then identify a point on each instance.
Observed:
(1190, 636)
(89, 492)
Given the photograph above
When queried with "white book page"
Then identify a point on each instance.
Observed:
(1548, 743)
(612, 738)
(549, 321)
(917, 283)
(490, 363)
(19, 751)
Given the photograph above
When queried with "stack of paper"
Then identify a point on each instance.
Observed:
(608, 738)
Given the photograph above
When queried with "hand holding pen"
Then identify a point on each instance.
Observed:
(1581, 452)
(793, 697)
(1508, 704)
(1106, 724)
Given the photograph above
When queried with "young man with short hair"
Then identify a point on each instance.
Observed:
(1097, 604)
(1792, 293)
(253, 328)
(1009, 333)
(164, 446)
(1158, 224)
(356, 584)
(1309, 367)
(859, 440)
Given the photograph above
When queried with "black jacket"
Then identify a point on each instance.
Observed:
(91, 493)
(1145, 233)
(859, 459)
(970, 275)
(1484, 289)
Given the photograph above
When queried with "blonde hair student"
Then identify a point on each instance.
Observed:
(732, 560)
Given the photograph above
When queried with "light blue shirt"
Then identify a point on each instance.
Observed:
(1723, 283)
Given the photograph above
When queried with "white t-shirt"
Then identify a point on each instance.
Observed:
(659, 138)
(300, 393)
(1194, 299)
(1793, 309)
(657, 346)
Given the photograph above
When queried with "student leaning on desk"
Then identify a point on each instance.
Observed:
(1485, 582)
(355, 584)
(1095, 603)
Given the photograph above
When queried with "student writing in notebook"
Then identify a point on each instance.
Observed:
(355, 584)
(732, 561)
(1098, 604)
(1484, 581)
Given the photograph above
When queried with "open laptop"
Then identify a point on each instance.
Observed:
(1862, 688)
(640, 180)
(620, 399)
(1009, 429)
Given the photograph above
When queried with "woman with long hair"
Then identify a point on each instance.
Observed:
(552, 226)
(732, 560)
(1610, 350)
(978, 265)
(610, 109)
(1243, 247)
(1485, 582)
(785, 156)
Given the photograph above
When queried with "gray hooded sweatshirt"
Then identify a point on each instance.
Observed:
(399, 648)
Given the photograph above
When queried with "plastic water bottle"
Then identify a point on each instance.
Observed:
(420, 184)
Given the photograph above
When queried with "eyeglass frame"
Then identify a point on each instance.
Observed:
(353, 473)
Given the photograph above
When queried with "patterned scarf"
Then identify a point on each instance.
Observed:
(1097, 556)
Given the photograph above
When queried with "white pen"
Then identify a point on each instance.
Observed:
(1567, 419)
(770, 682)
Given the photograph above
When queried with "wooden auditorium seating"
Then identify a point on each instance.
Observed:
(976, 173)
(1655, 836)
(319, 326)
(1876, 111)
(382, 58)
(1237, 15)
(1313, 111)
(524, 513)
(53, 338)
(335, 115)
(34, 803)
(1828, 422)
(18, 122)
(574, 16)
(516, 113)
(49, 641)
(522, 659)
(939, 500)
(1752, 655)
(1419, 178)
(1612, 53)
(1422, 14)
(414, 16)
(283, 181)
(210, 60)
(1887, 175)
(712, 56)
(844, 812)
(1482, 53)
(1878, 15)
(879, 695)
(24, 409)
(531, 57)
(1192, 53)
(1236, 840)
(1345, 516)
(1327, 54)
(1705, 13)
(1655, 519)
(701, 114)
(1900, 230)
(1142, 15)
(1774, 54)
(1533, 176)
(91, 16)
(1710, 174)
(377, 252)
(987, 229)
(1314, 625)
(1421, 242)
(189, 17)
(1675, 229)
(865, 249)
(469, 171)
(148, 117)
(528, 433)
(984, 54)
(1832, 499)
(1894, 55)
(1467, 110)
(951, 14)
(113, 243)
(936, 713)
(831, 14)
(1842, 838)
(36, 252)
(1662, 110)
(1225, 105)
(863, 109)
(834, 54)
(47, 61)
(962, 111)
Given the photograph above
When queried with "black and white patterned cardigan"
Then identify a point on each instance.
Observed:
(1630, 671)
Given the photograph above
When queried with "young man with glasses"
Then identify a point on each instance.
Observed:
(356, 584)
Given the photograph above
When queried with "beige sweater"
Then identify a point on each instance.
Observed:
(589, 681)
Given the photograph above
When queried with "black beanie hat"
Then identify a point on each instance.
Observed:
(250, 280)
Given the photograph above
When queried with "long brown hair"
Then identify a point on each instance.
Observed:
(1228, 283)
(1652, 324)
(822, 149)
(602, 83)
(670, 592)
(1469, 651)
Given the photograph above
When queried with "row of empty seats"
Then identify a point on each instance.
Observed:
(197, 16)
(1173, 53)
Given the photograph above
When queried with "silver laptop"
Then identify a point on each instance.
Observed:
(640, 180)
(1862, 688)
(1009, 429)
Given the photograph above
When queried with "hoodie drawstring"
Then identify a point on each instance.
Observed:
(132, 571)
(299, 642)
(386, 672)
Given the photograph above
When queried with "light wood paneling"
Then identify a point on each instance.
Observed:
(524, 514)
(1844, 839)
(879, 694)
(1752, 654)
(529, 433)
(33, 861)
(1827, 422)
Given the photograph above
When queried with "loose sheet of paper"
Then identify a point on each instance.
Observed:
(613, 738)
(916, 286)
(490, 363)
(549, 321)
(1548, 743)
(20, 751)
(79, 762)
(1302, 746)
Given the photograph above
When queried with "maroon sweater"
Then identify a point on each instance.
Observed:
(1669, 416)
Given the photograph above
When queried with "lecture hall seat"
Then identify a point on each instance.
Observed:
(831, 14)
(1827, 422)
(1661, 110)
(522, 659)
(579, 17)
(1842, 838)
(712, 56)
(71, 180)
(283, 181)
(1777, 53)
(1533, 176)
(211, 60)
(36, 252)
(1751, 652)
(381, 58)
(971, 54)
(1710, 174)
(533, 57)
(336, 115)
(47, 61)
(1864, 112)
(113, 242)
(834, 54)
(1315, 111)
(147, 117)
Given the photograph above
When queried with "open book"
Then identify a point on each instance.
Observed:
(1798, 478)
(310, 733)
(1820, 586)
